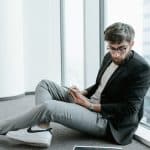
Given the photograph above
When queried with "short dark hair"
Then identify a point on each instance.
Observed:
(119, 32)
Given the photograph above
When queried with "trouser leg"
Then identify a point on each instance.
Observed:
(34, 116)
(77, 117)
(67, 114)
(48, 90)
(45, 92)
(55, 107)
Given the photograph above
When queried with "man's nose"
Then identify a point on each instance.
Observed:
(116, 54)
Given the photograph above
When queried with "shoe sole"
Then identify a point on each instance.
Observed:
(18, 142)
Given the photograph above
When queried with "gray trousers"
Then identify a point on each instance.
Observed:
(54, 104)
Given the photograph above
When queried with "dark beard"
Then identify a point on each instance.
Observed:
(117, 62)
(122, 61)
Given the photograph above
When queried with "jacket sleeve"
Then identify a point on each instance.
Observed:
(134, 95)
(90, 90)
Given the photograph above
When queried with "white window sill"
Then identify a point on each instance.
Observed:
(143, 135)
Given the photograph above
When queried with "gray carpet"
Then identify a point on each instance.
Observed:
(63, 138)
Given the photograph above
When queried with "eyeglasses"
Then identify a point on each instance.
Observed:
(120, 50)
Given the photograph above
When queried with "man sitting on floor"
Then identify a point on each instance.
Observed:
(112, 106)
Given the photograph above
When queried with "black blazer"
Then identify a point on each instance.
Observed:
(123, 96)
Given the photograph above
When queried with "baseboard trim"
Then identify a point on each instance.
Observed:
(17, 96)
(30, 93)
(12, 97)
(143, 135)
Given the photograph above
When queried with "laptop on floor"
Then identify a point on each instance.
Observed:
(78, 147)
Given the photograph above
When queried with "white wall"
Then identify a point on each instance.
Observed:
(11, 51)
(29, 44)
(41, 41)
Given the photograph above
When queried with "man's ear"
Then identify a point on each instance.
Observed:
(132, 43)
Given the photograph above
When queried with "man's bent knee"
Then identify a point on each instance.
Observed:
(44, 83)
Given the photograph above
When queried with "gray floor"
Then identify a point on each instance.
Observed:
(63, 138)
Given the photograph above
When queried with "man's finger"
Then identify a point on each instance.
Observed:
(74, 97)
(74, 91)
(75, 87)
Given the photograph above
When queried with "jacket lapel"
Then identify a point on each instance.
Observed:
(121, 69)
(118, 71)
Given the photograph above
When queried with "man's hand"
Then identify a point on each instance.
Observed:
(75, 88)
(78, 97)
(83, 92)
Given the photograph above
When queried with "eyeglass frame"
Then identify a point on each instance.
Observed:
(120, 50)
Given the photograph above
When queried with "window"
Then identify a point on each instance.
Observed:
(73, 53)
(80, 42)
(146, 53)
(136, 13)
